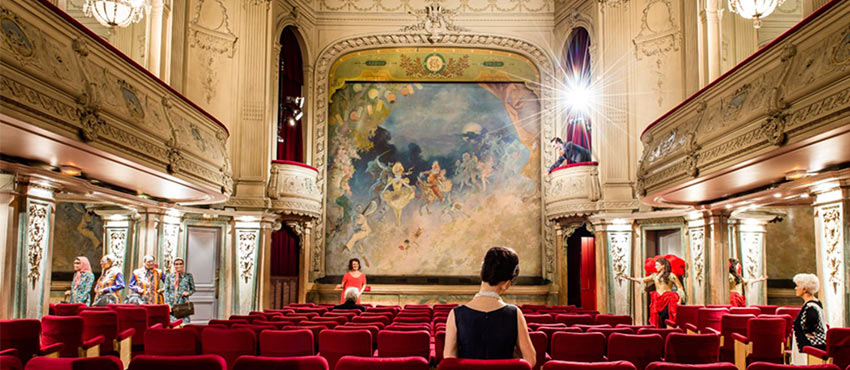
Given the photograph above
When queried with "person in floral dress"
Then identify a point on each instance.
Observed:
(81, 285)
(110, 282)
(179, 285)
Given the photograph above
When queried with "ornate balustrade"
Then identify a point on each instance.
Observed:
(68, 97)
(785, 108)
(293, 191)
(573, 191)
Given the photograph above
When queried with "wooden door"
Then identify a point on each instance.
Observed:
(202, 251)
(588, 273)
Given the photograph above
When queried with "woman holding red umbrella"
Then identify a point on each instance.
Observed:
(663, 301)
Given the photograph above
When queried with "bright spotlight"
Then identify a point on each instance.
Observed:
(578, 97)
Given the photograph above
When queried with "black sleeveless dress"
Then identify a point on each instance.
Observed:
(486, 335)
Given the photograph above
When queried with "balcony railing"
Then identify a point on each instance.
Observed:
(293, 191)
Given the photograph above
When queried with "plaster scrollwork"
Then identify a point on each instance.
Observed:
(433, 21)
(751, 243)
(246, 240)
(540, 57)
(619, 247)
(117, 243)
(169, 243)
(209, 28)
(37, 224)
(697, 237)
(832, 234)
(658, 35)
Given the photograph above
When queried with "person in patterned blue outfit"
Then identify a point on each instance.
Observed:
(81, 285)
(179, 285)
(110, 282)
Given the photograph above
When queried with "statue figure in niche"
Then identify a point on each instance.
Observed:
(401, 194)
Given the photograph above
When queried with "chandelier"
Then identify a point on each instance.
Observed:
(754, 9)
(112, 13)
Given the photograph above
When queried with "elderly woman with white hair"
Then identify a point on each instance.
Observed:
(810, 324)
(351, 295)
(110, 282)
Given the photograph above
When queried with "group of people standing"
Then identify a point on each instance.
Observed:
(147, 285)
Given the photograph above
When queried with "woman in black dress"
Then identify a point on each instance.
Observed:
(487, 328)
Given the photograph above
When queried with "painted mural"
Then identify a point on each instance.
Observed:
(77, 233)
(424, 177)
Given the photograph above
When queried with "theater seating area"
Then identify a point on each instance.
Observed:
(308, 336)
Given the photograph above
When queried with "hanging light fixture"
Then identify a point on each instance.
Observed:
(754, 9)
(116, 13)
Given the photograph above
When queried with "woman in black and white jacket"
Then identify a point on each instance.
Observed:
(810, 324)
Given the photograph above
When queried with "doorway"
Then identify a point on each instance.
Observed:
(285, 255)
(203, 245)
(581, 269)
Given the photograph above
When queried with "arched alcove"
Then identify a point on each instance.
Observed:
(577, 95)
(290, 144)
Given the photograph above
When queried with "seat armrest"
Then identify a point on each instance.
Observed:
(9, 352)
(691, 327)
(670, 323)
(176, 323)
(156, 326)
(812, 351)
(51, 348)
(740, 338)
(711, 331)
(126, 334)
(98, 340)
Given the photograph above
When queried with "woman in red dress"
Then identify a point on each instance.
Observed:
(663, 300)
(352, 278)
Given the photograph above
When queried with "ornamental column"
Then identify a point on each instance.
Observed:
(751, 236)
(119, 230)
(8, 221)
(247, 232)
(613, 258)
(35, 209)
(832, 240)
(708, 258)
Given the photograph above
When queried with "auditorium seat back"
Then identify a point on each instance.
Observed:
(171, 342)
(373, 330)
(158, 314)
(470, 364)
(376, 363)
(91, 363)
(692, 348)
(755, 311)
(662, 332)
(277, 363)
(132, 317)
(539, 318)
(23, 335)
(729, 324)
(439, 346)
(199, 362)
(287, 343)
(608, 331)
(573, 319)
(771, 366)
(580, 347)
(540, 342)
(838, 346)
(568, 365)
(766, 336)
(639, 350)
(674, 366)
(67, 309)
(103, 323)
(228, 343)
(67, 330)
(613, 320)
(709, 318)
(766, 309)
(686, 314)
(393, 343)
(334, 344)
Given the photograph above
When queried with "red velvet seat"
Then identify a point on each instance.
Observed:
(707, 318)
(586, 327)
(469, 364)
(692, 348)
(296, 305)
(573, 319)
(786, 310)
(68, 330)
(91, 363)
(771, 366)
(333, 344)
(199, 362)
(444, 306)
(228, 343)
(376, 363)
(373, 330)
(685, 314)
(673, 366)
(412, 319)
(639, 350)
(319, 311)
(133, 317)
(171, 342)
(540, 341)
(287, 343)
(342, 313)
(393, 343)
(104, 323)
(766, 309)
(257, 329)
(789, 325)
(9, 360)
(837, 347)
(550, 331)
(66, 309)
(580, 347)
(764, 341)
(662, 332)
(539, 318)
(567, 365)
(277, 325)
(745, 311)
(608, 331)
(439, 346)
(371, 319)
(278, 363)
(24, 335)
(160, 314)
(339, 320)
(732, 323)
(613, 320)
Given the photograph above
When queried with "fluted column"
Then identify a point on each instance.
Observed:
(35, 210)
(713, 13)
(155, 19)
(7, 253)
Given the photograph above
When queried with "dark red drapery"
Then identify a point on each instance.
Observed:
(284, 256)
(291, 80)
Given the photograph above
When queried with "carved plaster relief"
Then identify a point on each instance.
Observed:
(37, 239)
(169, 244)
(461, 6)
(619, 253)
(832, 225)
(247, 245)
(247, 241)
(697, 246)
(117, 242)
(752, 251)
(659, 35)
(209, 28)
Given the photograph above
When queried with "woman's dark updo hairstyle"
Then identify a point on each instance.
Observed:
(351, 264)
(733, 269)
(500, 264)
(665, 267)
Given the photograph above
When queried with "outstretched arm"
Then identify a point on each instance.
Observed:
(752, 281)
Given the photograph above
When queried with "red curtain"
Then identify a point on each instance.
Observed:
(291, 80)
(284, 259)
(577, 68)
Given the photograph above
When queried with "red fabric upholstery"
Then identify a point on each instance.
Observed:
(373, 330)
(732, 323)
(228, 343)
(24, 336)
(200, 362)
(133, 317)
(608, 331)
(103, 323)
(692, 348)
(333, 344)
(581, 347)
(770, 366)
(550, 331)
(585, 327)
(540, 341)
(672, 366)
(469, 364)
(540, 319)
(838, 346)
(67, 330)
(171, 342)
(319, 311)
(66, 309)
(709, 318)
(790, 311)
(287, 343)
(766, 336)
(257, 329)
(567, 365)
(745, 311)
(371, 319)
(92, 363)
(439, 346)
(686, 314)
(639, 350)
(9, 360)
(789, 324)
(339, 320)
(572, 319)
(412, 319)
(158, 314)
(662, 332)
(766, 309)
(276, 363)
(613, 320)
(375, 363)
(393, 343)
